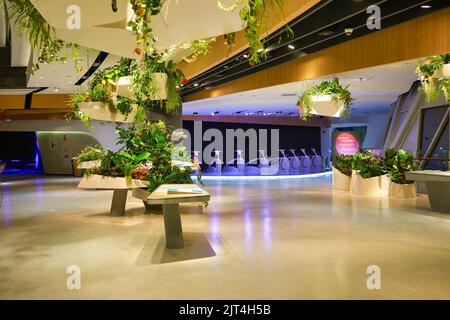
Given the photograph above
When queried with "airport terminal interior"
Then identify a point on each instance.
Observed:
(233, 149)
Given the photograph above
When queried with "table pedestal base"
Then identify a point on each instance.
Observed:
(438, 193)
(172, 226)
(119, 201)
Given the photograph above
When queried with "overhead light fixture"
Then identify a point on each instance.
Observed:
(292, 47)
(8, 120)
(41, 77)
(56, 90)
(326, 33)
(426, 6)
(260, 50)
(225, 67)
(245, 56)
(196, 84)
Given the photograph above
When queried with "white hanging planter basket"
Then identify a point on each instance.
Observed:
(85, 165)
(373, 187)
(98, 182)
(397, 190)
(325, 106)
(124, 87)
(341, 181)
(446, 70)
(104, 111)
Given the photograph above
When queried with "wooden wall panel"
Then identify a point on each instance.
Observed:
(12, 101)
(427, 35)
(48, 101)
(220, 52)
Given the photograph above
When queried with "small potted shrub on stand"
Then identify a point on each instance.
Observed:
(369, 175)
(342, 172)
(397, 163)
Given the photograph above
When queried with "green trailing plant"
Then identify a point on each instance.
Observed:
(144, 10)
(431, 85)
(332, 88)
(40, 35)
(397, 163)
(368, 165)
(343, 163)
(197, 47)
(91, 154)
(145, 88)
(253, 16)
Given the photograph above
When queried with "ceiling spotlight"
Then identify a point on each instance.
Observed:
(196, 84)
(260, 50)
(245, 56)
(326, 33)
(426, 6)
(56, 90)
(349, 30)
(292, 47)
(8, 120)
(225, 67)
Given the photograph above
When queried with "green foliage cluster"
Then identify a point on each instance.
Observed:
(91, 154)
(40, 34)
(433, 86)
(344, 164)
(332, 88)
(146, 154)
(394, 163)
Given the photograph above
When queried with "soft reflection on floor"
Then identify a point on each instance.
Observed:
(280, 239)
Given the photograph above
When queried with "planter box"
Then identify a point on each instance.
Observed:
(104, 111)
(97, 182)
(124, 87)
(402, 190)
(325, 106)
(446, 70)
(374, 187)
(89, 164)
(341, 181)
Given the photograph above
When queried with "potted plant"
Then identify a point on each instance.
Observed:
(397, 163)
(369, 175)
(434, 73)
(101, 101)
(328, 98)
(342, 172)
(90, 158)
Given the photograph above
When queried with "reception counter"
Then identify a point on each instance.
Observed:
(438, 187)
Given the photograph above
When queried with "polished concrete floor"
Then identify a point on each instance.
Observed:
(291, 239)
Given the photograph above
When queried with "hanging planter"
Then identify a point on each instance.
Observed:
(158, 91)
(434, 74)
(327, 99)
(98, 182)
(325, 106)
(105, 111)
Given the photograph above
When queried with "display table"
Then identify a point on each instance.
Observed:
(119, 186)
(171, 209)
(438, 187)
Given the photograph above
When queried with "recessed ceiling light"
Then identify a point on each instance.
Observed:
(426, 6)
(225, 67)
(56, 90)
(196, 84)
(260, 50)
(245, 56)
(292, 47)
(326, 33)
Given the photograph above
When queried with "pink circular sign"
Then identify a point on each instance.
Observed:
(347, 144)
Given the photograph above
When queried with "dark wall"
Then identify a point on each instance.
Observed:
(17, 146)
(291, 137)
